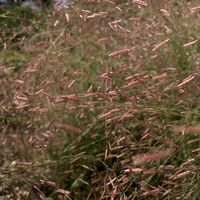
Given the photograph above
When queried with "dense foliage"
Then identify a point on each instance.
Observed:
(100, 100)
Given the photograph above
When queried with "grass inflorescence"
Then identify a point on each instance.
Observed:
(100, 100)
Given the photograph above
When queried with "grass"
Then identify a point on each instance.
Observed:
(100, 101)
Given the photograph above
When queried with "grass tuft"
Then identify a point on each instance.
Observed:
(100, 101)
